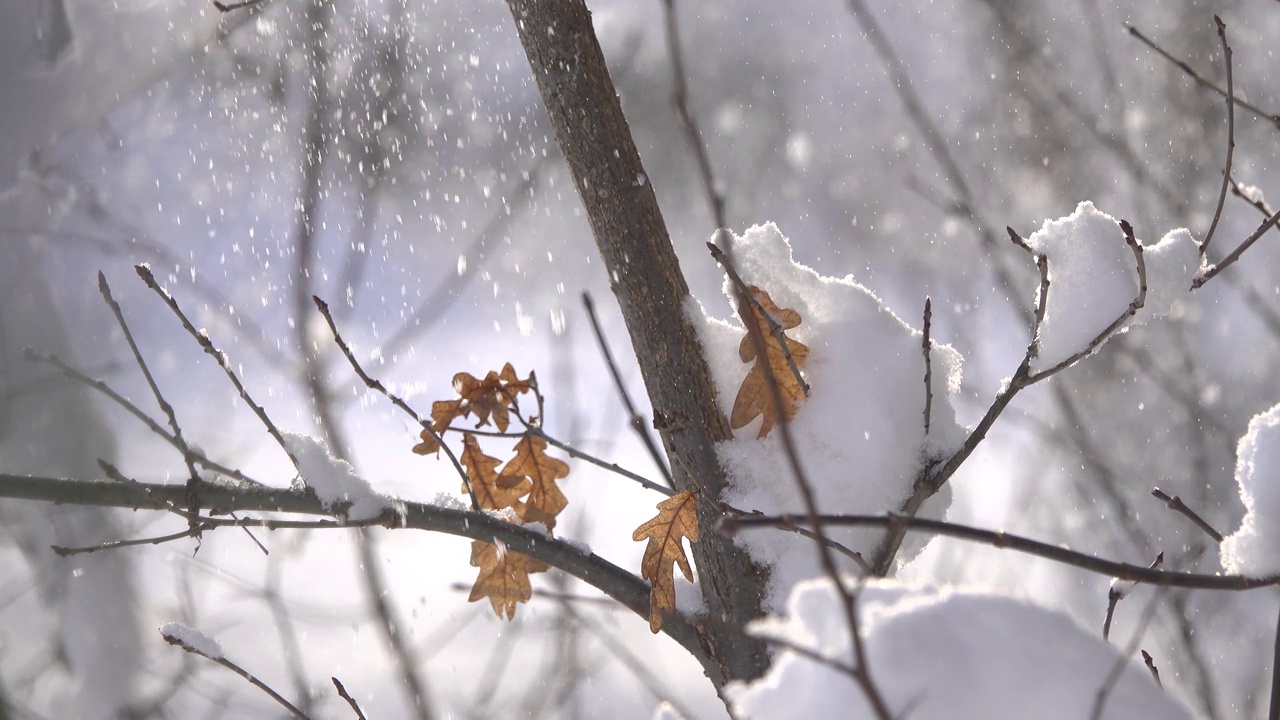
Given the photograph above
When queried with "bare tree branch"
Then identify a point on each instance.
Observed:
(1231, 136)
(1175, 503)
(624, 587)
(1008, 541)
(1201, 80)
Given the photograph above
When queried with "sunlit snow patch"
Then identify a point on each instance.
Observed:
(1093, 278)
(333, 480)
(860, 434)
(1254, 549)
(944, 654)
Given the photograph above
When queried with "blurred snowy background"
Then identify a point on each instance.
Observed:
(448, 237)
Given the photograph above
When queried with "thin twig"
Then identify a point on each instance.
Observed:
(1234, 255)
(612, 467)
(1231, 136)
(396, 400)
(1274, 712)
(1122, 661)
(680, 98)
(1151, 665)
(1202, 81)
(1175, 503)
(207, 345)
(1017, 543)
(1113, 599)
(530, 429)
(105, 289)
(810, 654)
(224, 662)
(179, 442)
(638, 423)
(342, 693)
(928, 364)
(802, 531)
(100, 386)
(1118, 591)
(535, 429)
(228, 7)
(193, 531)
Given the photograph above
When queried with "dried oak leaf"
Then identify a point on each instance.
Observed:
(545, 500)
(492, 491)
(429, 444)
(503, 578)
(677, 519)
(753, 395)
(491, 397)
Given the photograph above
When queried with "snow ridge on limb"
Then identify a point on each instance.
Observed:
(1254, 549)
(1094, 279)
(860, 433)
(913, 636)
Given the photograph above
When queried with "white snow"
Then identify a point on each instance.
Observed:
(861, 433)
(1172, 264)
(192, 640)
(1254, 549)
(1093, 278)
(333, 480)
(944, 654)
(1253, 194)
(448, 501)
(667, 711)
(1120, 589)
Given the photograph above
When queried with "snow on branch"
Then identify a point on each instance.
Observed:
(1255, 547)
(191, 640)
(334, 481)
(944, 653)
(1099, 287)
(859, 434)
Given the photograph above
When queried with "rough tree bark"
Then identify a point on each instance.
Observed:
(593, 134)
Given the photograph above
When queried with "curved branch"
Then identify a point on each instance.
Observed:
(1007, 541)
(588, 567)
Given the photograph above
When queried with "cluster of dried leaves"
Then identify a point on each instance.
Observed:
(526, 484)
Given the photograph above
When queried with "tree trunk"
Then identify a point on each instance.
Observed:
(570, 71)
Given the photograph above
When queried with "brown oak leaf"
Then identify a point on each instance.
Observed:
(545, 500)
(677, 519)
(753, 395)
(491, 397)
(492, 491)
(503, 578)
(429, 444)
